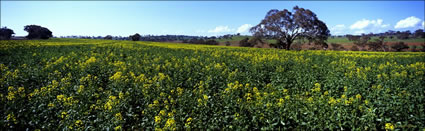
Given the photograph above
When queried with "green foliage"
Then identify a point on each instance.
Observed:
(63, 84)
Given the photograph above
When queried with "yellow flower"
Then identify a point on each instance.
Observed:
(358, 96)
(11, 117)
(162, 112)
(108, 105)
(121, 95)
(21, 89)
(326, 93)
(287, 97)
(78, 123)
(118, 116)
(80, 89)
(389, 126)
(157, 119)
(236, 116)
(50, 105)
(285, 91)
(155, 102)
(63, 114)
(248, 98)
(366, 102)
(118, 128)
(180, 91)
(161, 76)
(116, 76)
(170, 123)
(310, 99)
(189, 120)
(317, 85)
(343, 96)
(205, 97)
(10, 95)
(60, 97)
(255, 89)
(170, 114)
(317, 89)
(91, 60)
(269, 104)
(347, 102)
(332, 101)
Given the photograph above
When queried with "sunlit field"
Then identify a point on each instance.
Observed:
(81, 84)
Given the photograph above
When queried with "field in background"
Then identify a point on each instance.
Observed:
(108, 84)
(338, 40)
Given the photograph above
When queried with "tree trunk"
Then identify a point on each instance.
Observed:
(288, 43)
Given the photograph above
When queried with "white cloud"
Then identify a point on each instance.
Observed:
(363, 24)
(423, 24)
(220, 29)
(200, 31)
(243, 28)
(359, 32)
(411, 21)
(338, 29)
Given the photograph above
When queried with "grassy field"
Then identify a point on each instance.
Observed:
(78, 84)
(338, 40)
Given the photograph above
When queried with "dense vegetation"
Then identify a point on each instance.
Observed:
(105, 84)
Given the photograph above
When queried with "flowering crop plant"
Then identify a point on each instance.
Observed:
(81, 84)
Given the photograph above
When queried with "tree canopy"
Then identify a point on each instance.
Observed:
(37, 32)
(285, 27)
(6, 33)
(135, 37)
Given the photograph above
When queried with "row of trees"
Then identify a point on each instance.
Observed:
(201, 41)
(391, 34)
(34, 32)
(374, 45)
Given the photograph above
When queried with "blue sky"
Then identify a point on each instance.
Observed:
(202, 18)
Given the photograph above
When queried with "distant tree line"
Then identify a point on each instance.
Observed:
(34, 32)
(207, 41)
(391, 34)
(379, 44)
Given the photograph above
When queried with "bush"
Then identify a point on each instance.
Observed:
(336, 46)
(6, 33)
(400, 46)
(108, 37)
(296, 46)
(355, 48)
(135, 37)
(211, 42)
(227, 43)
(377, 45)
(414, 48)
(37, 32)
(245, 43)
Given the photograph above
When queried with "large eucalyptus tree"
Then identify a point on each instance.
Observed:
(285, 27)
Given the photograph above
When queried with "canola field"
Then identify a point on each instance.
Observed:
(77, 84)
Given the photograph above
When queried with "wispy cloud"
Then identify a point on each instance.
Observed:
(243, 28)
(363, 24)
(220, 29)
(411, 21)
(338, 29)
